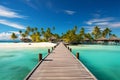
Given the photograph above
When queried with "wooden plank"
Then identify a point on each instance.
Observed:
(61, 65)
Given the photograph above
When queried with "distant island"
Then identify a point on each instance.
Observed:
(72, 36)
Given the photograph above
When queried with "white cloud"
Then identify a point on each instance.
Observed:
(7, 35)
(109, 24)
(16, 32)
(12, 24)
(9, 13)
(92, 21)
(115, 24)
(88, 28)
(102, 23)
(31, 4)
(69, 12)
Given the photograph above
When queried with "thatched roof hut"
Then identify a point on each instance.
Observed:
(52, 39)
(113, 38)
(26, 40)
(86, 39)
(102, 39)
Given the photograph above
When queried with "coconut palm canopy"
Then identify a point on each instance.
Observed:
(72, 36)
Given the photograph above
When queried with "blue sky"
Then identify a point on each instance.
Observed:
(63, 14)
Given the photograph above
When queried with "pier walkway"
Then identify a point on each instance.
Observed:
(60, 64)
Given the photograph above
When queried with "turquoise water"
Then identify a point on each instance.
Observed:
(16, 63)
(102, 60)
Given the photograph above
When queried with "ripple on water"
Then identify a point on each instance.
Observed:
(6, 56)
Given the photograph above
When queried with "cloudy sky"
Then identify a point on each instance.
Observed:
(16, 15)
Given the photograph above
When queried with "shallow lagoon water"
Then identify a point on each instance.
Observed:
(16, 63)
(102, 60)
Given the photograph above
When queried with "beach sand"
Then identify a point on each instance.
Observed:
(41, 44)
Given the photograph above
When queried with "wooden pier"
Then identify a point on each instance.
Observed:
(60, 64)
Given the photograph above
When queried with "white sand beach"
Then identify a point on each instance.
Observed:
(41, 44)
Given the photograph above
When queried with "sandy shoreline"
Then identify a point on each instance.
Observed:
(41, 44)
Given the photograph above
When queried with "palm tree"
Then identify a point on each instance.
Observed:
(89, 36)
(42, 31)
(75, 28)
(35, 28)
(82, 31)
(107, 31)
(20, 31)
(32, 30)
(82, 34)
(37, 37)
(47, 33)
(113, 35)
(23, 35)
(70, 36)
(14, 36)
(103, 33)
(96, 32)
(28, 29)
(26, 33)
(33, 37)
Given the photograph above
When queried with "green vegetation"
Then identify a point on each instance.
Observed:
(38, 35)
(72, 36)
(13, 36)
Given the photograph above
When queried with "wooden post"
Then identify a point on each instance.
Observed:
(40, 57)
(65, 45)
(77, 55)
(52, 48)
(70, 49)
(48, 51)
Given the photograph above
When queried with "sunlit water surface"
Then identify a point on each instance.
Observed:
(16, 63)
(102, 60)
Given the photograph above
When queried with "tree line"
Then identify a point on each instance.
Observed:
(75, 36)
(35, 34)
(70, 36)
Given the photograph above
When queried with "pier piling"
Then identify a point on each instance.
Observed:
(70, 49)
(48, 51)
(60, 66)
(40, 57)
(52, 48)
(77, 55)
